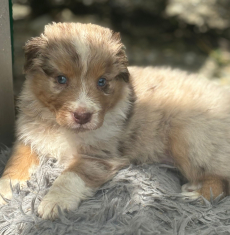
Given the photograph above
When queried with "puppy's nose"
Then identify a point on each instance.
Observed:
(82, 117)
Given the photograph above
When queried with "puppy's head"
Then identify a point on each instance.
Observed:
(78, 72)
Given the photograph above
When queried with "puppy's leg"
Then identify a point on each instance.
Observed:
(18, 169)
(210, 185)
(78, 182)
(201, 183)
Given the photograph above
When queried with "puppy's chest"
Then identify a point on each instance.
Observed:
(94, 147)
(66, 145)
(53, 141)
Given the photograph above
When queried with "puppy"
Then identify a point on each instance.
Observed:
(82, 105)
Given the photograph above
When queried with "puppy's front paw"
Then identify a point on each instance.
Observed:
(5, 190)
(48, 208)
(66, 193)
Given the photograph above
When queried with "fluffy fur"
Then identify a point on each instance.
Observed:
(141, 115)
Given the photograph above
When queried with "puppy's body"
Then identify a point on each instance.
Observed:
(141, 115)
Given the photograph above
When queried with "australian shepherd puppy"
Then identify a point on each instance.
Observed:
(82, 105)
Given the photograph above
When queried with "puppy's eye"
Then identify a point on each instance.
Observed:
(61, 79)
(101, 82)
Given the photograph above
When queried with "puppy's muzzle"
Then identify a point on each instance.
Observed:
(82, 117)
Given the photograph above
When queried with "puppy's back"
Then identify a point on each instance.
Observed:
(177, 88)
(173, 106)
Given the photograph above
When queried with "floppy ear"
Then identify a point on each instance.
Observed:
(33, 50)
(124, 75)
(122, 57)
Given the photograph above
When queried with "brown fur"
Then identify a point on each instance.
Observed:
(20, 163)
(213, 185)
(141, 115)
(96, 171)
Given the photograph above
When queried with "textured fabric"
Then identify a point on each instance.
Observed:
(139, 200)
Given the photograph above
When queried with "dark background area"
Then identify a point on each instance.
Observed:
(189, 34)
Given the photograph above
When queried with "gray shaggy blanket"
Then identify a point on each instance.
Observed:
(139, 200)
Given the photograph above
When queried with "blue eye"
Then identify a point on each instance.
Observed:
(62, 79)
(101, 82)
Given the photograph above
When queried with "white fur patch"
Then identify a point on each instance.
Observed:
(85, 101)
(66, 193)
(191, 195)
(82, 49)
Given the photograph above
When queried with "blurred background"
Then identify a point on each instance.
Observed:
(193, 35)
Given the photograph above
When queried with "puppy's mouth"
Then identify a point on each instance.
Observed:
(82, 128)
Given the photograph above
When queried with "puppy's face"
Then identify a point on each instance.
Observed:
(78, 72)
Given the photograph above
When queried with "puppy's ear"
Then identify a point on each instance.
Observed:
(122, 57)
(33, 50)
(116, 36)
(124, 75)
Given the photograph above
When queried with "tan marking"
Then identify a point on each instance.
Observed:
(215, 184)
(179, 152)
(21, 161)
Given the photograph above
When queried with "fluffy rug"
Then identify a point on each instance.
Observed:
(139, 200)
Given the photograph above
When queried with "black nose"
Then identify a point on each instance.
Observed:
(82, 117)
